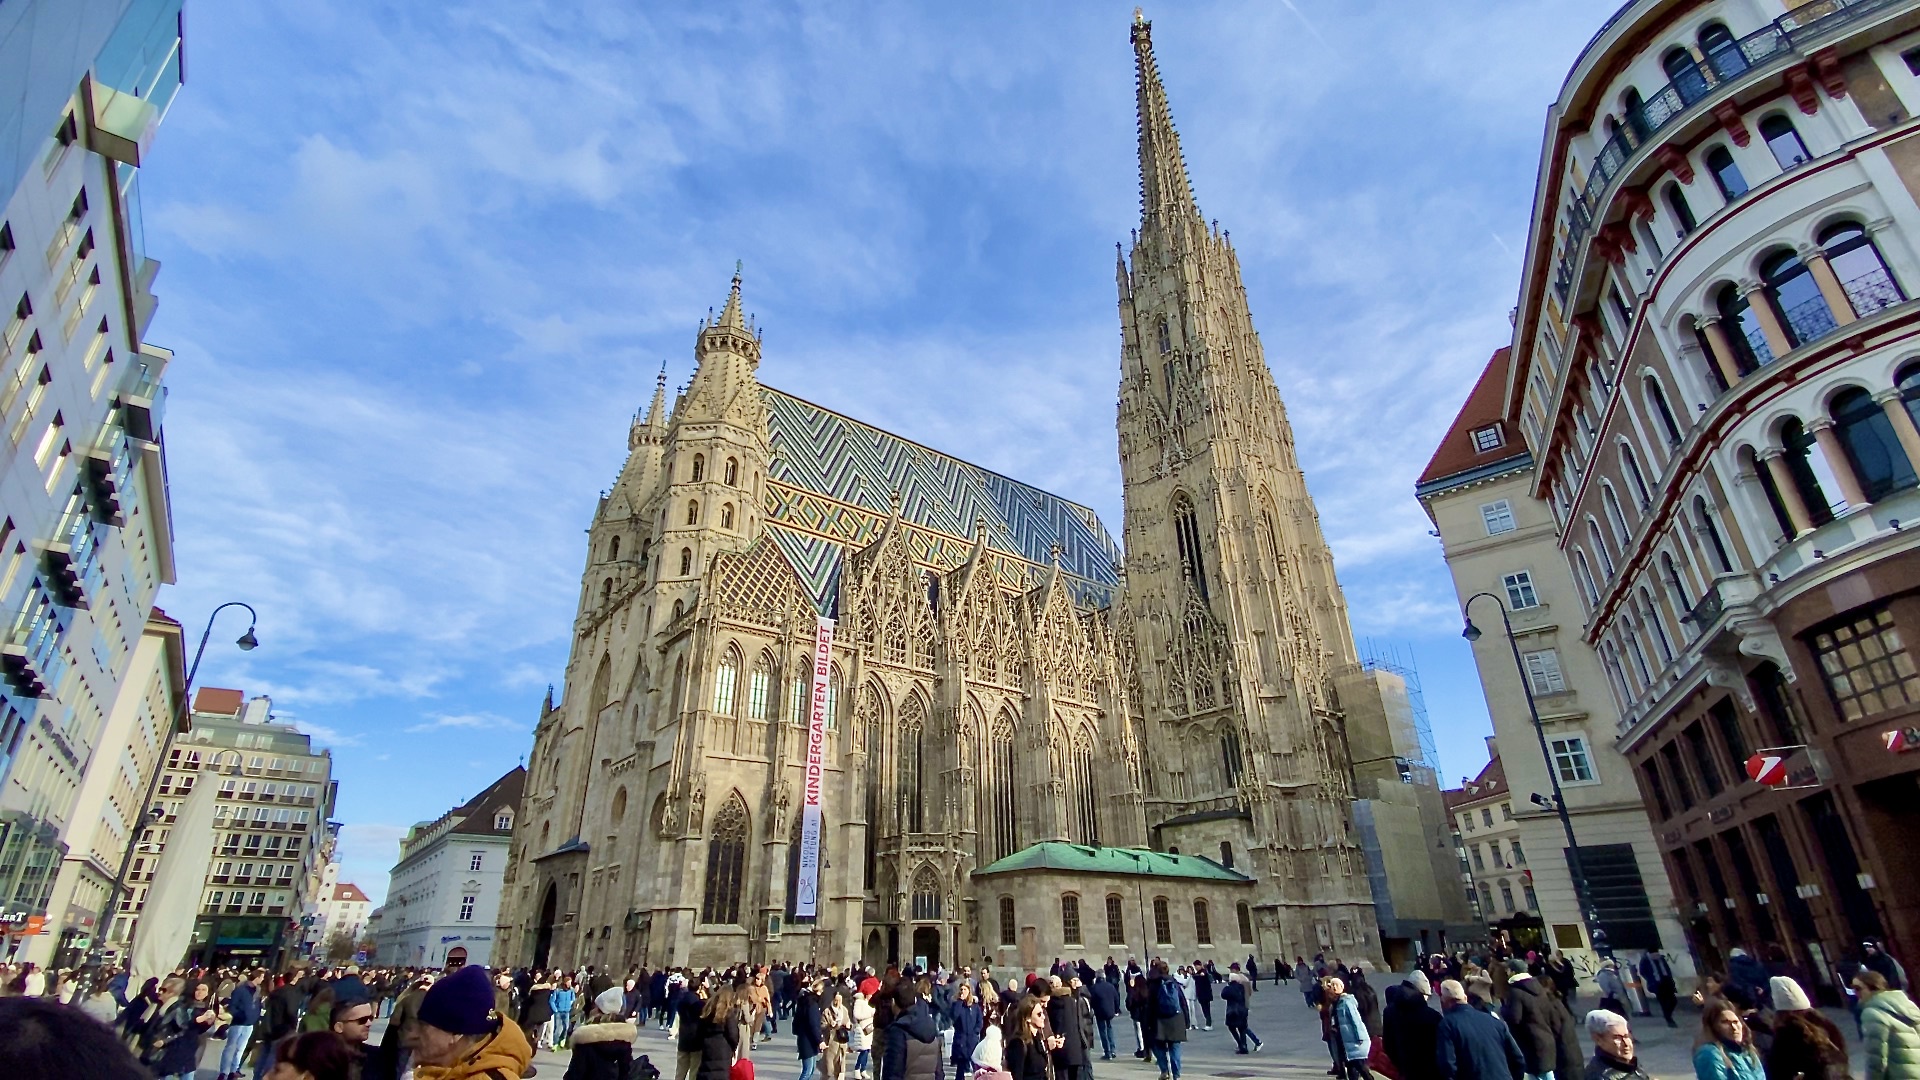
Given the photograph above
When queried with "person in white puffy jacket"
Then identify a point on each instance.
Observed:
(860, 1035)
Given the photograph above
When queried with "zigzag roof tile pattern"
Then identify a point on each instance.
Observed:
(857, 468)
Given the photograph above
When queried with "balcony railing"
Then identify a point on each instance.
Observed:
(1810, 320)
(1872, 292)
(1707, 611)
(1758, 345)
(143, 399)
(1789, 33)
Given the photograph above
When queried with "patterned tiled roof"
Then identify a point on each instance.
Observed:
(832, 486)
(1056, 855)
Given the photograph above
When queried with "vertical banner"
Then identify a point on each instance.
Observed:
(806, 892)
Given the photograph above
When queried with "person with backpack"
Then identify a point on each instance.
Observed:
(1169, 1019)
(603, 1046)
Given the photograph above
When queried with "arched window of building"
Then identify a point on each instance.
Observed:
(910, 765)
(1863, 274)
(1652, 616)
(1710, 532)
(760, 690)
(1600, 548)
(1070, 918)
(1709, 365)
(1006, 815)
(833, 698)
(1866, 435)
(1688, 82)
(606, 592)
(1631, 467)
(1116, 919)
(726, 515)
(619, 812)
(1639, 654)
(1676, 588)
(686, 569)
(699, 467)
(1162, 921)
(725, 678)
(1246, 922)
(1616, 520)
(1634, 109)
(1796, 445)
(679, 683)
(1226, 854)
(1202, 923)
(1657, 401)
(1749, 341)
(875, 736)
(679, 608)
(613, 548)
(1082, 794)
(1751, 463)
(1676, 200)
(1722, 51)
(1186, 529)
(926, 895)
(1506, 894)
(1583, 572)
(1644, 226)
(1007, 924)
(726, 863)
(733, 472)
(1796, 298)
(1231, 761)
(1784, 141)
(1907, 380)
(1165, 335)
(693, 511)
(1726, 174)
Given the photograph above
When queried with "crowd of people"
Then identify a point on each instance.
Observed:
(1487, 1016)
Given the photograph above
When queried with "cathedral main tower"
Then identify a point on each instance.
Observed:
(1229, 590)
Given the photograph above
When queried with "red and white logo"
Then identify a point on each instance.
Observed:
(1767, 769)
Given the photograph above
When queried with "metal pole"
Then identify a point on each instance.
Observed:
(1582, 895)
(108, 912)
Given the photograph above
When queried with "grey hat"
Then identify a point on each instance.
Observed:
(1516, 966)
(1418, 980)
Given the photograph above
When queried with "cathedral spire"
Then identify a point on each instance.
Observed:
(730, 315)
(657, 412)
(1165, 191)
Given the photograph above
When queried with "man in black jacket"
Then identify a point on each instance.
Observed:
(1104, 993)
(913, 1046)
(277, 1021)
(1541, 1025)
(807, 1035)
(1473, 1045)
(1063, 1019)
(1411, 1030)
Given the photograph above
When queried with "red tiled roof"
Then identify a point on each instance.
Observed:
(220, 701)
(1492, 781)
(1484, 408)
(348, 892)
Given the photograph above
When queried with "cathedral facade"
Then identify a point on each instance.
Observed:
(1033, 750)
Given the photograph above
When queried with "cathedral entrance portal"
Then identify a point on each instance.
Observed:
(876, 954)
(926, 947)
(543, 935)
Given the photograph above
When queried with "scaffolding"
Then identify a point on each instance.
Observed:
(1398, 659)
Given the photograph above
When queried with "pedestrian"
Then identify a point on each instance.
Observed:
(171, 1041)
(1234, 995)
(352, 1020)
(760, 1007)
(860, 1034)
(1657, 973)
(279, 1019)
(462, 1036)
(536, 1012)
(968, 1021)
(1138, 1011)
(1410, 1029)
(1253, 971)
(808, 1037)
(1309, 984)
(1613, 1053)
(603, 1046)
(1805, 1043)
(718, 1031)
(1203, 991)
(913, 1045)
(1169, 1019)
(1364, 997)
(1472, 1043)
(243, 1015)
(834, 1023)
(403, 1024)
(1725, 1051)
(48, 1041)
(1027, 1043)
(1104, 995)
(1746, 980)
(1063, 1018)
(1890, 1026)
(1613, 988)
(561, 1002)
(1875, 957)
(1541, 1025)
(316, 1055)
(1349, 1030)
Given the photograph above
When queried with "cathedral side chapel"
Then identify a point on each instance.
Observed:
(1031, 751)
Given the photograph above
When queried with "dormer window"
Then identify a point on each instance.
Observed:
(503, 821)
(1487, 438)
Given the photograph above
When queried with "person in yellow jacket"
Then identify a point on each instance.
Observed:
(463, 1037)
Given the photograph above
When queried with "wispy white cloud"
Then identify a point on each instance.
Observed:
(467, 721)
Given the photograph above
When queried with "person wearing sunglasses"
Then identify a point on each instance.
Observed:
(352, 1020)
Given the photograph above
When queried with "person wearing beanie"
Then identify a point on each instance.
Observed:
(603, 1046)
(860, 1034)
(1805, 1042)
(462, 1036)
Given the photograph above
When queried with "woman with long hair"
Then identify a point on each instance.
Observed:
(720, 1033)
(1725, 1048)
(1805, 1043)
(170, 1045)
(1028, 1050)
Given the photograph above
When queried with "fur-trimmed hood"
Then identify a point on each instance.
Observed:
(603, 1032)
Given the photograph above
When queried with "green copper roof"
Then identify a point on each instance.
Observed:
(1053, 855)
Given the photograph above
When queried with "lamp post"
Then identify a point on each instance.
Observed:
(109, 910)
(1583, 896)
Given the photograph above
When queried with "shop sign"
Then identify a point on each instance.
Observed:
(1902, 739)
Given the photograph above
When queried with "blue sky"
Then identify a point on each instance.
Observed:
(422, 262)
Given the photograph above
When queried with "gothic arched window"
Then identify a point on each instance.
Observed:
(726, 863)
(693, 511)
(1202, 923)
(726, 515)
(1006, 816)
(699, 467)
(911, 767)
(1246, 922)
(613, 548)
(1658, 402)
(686, 568)
(760, 690)
(1186, 531)
(725, 678)
(733, 472)
(833, 698)
(1230, 760)
(1165, 335)
(1083, 799)
(1711, 531)
(926, 895)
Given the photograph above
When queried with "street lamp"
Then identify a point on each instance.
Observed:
(1582, 894)
(182, 711)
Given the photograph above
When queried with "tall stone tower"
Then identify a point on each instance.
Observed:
(1230, 590)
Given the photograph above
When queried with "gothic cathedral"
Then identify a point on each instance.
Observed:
(1034, 749)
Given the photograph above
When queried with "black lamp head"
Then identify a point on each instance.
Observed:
(247, 641)
(1470, 631)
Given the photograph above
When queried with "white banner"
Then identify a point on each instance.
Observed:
(806, 891)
